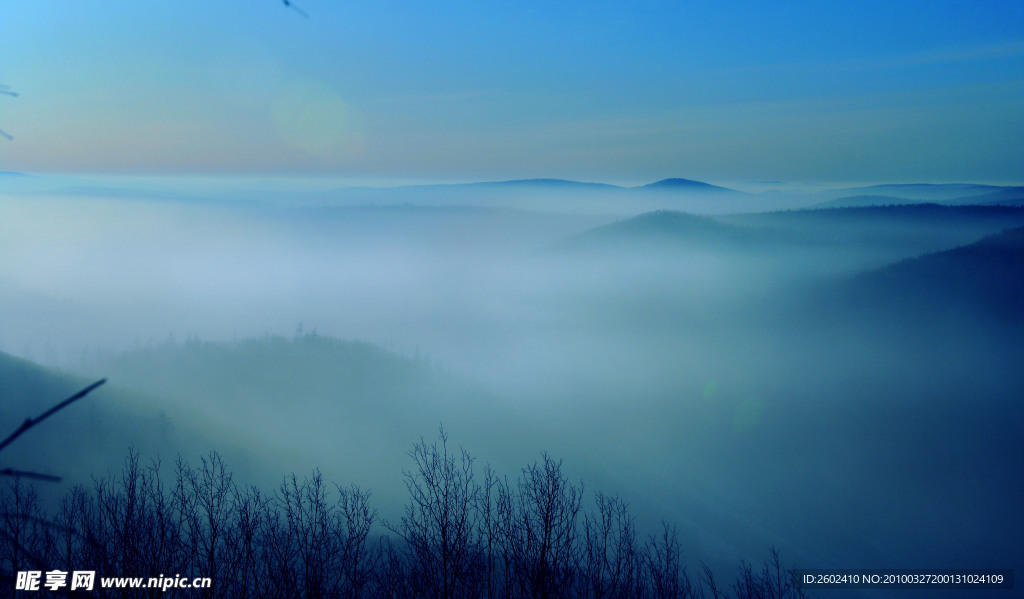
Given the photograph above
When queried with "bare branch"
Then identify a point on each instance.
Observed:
(7, 92)
(292, 6)
(29, 423)
(27, 474)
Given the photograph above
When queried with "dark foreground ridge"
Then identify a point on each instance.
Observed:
(464, 532)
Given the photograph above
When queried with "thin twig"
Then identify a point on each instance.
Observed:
(27, 474)
(29, 423)
(292, 6)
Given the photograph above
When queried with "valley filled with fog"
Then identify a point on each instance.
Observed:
(832, 372)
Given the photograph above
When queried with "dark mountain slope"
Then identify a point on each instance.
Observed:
(925, 212)
(955, 303)
(347, 407)
(904, 231)
(858, 201)
(90, 435)
(984, 279)
(305, 391)
(926, 192)
(281, 372)
(1008, 196)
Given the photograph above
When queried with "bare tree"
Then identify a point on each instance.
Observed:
(207, 507)
(611, 563)
(666, 578)
(439, 524)
(357, 561)
(488, 507)
(314, 547)
(772, 582)
(542, 534)
(245, 558)
(24, 534)
(393, 578)
(457, 538)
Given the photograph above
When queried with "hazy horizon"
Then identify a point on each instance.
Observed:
(872, 92)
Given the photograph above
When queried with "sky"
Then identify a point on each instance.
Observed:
(613, 91)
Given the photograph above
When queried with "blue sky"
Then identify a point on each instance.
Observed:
(614, 91)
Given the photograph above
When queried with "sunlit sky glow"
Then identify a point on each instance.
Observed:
(607, 90)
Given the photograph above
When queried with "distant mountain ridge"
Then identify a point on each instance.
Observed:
(925, 190)
(663, 228)
(794, 226)
(671, 184)
(960, 194)
(542, 194)
(684, 184)
(551, 195)
(555, 183)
